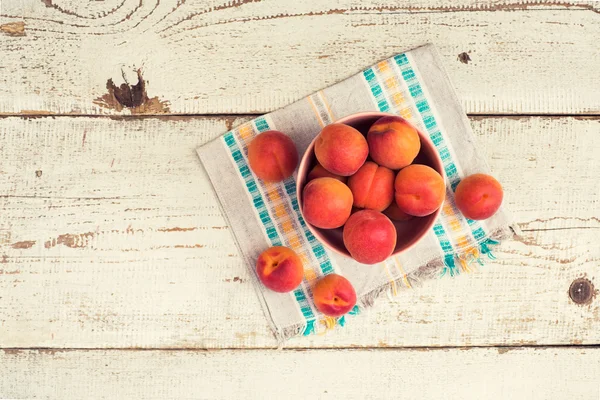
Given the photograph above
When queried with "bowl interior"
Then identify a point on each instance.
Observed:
(409, 232)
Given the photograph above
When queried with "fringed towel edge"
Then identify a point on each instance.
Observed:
(448, 265)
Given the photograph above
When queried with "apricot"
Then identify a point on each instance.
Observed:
(372, 187)
(394, 213)
(369, 236)
(420, 190)
(341, 149)
(319, 172)
(478, 196)
(334, 295)
(326, 203)
(280, 269)
(273, 156)
(393, 142)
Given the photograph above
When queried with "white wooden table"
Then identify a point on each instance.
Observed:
(119, 277)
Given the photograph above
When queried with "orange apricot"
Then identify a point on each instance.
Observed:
(393, 142)
(326, 203)
(478, 196)
(272, 156)
(280, 269)
(420, 190)
(369, 236)
(372, 187)
(334, 295)
(341, 149)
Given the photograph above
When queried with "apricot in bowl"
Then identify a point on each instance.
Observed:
(409, 229)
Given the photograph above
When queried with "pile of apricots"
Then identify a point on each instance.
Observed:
(361, 184)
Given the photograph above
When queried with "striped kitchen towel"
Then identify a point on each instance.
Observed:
(413, 85)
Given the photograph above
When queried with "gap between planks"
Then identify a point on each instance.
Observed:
(175, 116)
(501, 348)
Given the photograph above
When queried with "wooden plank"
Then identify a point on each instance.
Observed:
(111, 237)
(490, 373)
(249, 56)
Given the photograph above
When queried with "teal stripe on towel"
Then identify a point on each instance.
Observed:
(434, 132)
(261, 209)
(383, 106)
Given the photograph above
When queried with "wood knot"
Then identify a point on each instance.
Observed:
(13, 28)
(132, 97)
(582, 291)
(129, 95)
(464, 58)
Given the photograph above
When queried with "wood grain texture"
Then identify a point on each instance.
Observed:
(552, 373)
(110, 236)
(252, 56)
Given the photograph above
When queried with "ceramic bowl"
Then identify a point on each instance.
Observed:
(409, 232)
